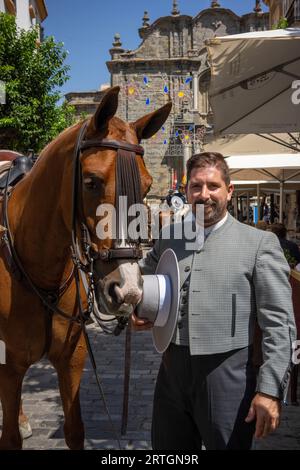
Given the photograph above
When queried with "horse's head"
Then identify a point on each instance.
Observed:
(111, 165)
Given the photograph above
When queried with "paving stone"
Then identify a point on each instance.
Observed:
(42, 402)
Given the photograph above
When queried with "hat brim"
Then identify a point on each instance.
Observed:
(162, 335)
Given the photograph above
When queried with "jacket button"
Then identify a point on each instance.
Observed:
(187, 268)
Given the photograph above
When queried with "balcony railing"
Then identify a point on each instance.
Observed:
(291, 10)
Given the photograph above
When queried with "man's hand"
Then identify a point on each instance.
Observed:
(266, 410)
(140, 324)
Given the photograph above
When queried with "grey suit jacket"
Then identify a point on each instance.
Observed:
(238, 276)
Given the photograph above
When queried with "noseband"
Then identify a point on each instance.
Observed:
(128, 183)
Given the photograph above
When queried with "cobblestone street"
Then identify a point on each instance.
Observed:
(43, 407)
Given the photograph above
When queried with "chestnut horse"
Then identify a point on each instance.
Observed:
(40, 219)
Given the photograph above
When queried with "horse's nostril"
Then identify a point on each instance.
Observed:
(115, 293)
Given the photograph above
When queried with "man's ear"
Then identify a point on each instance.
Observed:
(106, 110)
(148, 125)
(230, 192)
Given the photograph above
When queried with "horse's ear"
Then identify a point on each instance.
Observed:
(148, 125)
(106, 109)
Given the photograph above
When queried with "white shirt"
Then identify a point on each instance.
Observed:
(202, 236)
(215, 227)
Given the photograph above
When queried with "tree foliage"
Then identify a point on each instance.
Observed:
(32, 72)
(282, 24)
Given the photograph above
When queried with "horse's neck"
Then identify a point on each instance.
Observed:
(36, 211)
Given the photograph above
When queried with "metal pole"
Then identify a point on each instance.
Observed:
(235, 202)
(258, 202)
(248, 206)
(281, 203)
(272, 208)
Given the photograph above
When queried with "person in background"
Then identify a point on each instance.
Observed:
(290, 249)
(169, 197)
(181, 192)
(262, 225)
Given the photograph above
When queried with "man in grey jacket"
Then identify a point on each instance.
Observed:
(207, 389)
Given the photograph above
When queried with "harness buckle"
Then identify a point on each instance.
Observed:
(104, 255)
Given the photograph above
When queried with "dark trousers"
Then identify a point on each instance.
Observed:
(203, 399)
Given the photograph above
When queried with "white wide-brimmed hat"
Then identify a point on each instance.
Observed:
(160, 302)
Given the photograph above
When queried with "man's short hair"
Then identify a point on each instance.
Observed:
(279, 230)
(209, 159)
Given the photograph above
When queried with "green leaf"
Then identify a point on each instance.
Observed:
(33, 73)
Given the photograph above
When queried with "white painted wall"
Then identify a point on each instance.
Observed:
(23, 17)
(2, 7)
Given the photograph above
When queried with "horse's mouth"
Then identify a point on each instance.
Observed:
(113, 308)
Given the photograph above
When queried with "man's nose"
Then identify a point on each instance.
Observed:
(205, 195)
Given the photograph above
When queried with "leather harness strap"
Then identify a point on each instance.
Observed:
(112, 144)
(118, 253)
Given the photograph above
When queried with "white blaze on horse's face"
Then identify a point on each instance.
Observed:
(121, 290)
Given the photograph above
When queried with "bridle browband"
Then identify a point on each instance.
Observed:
(112, 144)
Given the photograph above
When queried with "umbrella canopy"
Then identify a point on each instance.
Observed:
(247, 144)
(252, 80)
(269, 170)
(276, 168)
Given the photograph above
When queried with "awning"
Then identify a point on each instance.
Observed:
(269, 170)
(280, 168)
(251, 82)
(247, 144)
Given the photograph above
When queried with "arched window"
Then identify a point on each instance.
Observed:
(204, 81)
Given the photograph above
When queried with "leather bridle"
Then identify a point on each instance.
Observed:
(128, 183)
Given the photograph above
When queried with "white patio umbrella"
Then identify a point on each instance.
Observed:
(269, 169)
(252, 80)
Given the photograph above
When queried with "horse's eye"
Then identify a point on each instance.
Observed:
(91, 184)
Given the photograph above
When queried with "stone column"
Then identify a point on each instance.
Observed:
(195, 90)
(187, 153)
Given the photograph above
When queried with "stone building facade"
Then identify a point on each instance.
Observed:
(171, 64)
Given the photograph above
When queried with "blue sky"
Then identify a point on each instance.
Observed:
(87, 29)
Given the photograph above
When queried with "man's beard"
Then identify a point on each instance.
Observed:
(215, 213)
